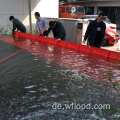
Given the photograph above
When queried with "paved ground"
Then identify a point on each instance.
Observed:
(115, 48)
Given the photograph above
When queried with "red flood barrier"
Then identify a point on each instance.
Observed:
(114, 57)
(72, 46)
(99, 53)
(95, 52)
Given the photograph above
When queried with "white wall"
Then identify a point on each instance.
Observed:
(47, 8)
(12, 7)
(19, 8)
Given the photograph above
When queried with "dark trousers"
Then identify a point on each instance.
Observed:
(97, 45)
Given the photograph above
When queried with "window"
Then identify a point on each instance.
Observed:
(80, 10)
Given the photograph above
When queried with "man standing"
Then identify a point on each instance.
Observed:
(17, 25)
(57, 29)
(95, 32)
(41, 24)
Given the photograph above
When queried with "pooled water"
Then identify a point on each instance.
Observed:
(37, 85)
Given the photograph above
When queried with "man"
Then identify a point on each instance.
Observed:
(57, 29)
(17, 25)
(41, 24)
(95, 32)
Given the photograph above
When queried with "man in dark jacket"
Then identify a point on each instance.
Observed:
(57, 29)
(17, 25)
(95, 32)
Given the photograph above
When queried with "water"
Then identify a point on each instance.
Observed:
(33, 82)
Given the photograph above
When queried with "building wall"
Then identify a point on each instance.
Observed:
(19, 9)
(11, 7)
(47, 8)
(111, 8)
(102, 3)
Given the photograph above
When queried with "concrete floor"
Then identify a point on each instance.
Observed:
(115, 47)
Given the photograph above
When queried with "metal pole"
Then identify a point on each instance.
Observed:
(30, 15)
(95, 10)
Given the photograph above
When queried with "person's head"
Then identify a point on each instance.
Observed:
(52, 24)
(100, 17)
(37, 15)
(11, 18)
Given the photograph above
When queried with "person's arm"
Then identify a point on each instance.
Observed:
(38, 28)
(14, 27)
(87, 31)
(46, 32)
(45, 25)
(38, 31)
(104, 30)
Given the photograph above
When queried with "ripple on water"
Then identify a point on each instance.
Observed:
(56, 78)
